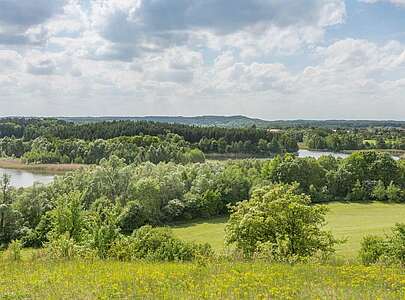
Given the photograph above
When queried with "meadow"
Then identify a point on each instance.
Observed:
(75, 279)
(349, 221)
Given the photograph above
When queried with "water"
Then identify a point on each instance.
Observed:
(22, 178)
(318, 154)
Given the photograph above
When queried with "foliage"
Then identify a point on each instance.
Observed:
(14, 250)
(282, 219)
(390, 249)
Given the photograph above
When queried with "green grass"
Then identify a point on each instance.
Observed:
(42, 279)
(349, 221)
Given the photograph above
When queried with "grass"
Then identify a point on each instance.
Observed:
(17, 164)
(36, 279)
(349, 221)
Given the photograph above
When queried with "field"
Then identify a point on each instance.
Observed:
(36, 279)
(17, 164)
(349, 221)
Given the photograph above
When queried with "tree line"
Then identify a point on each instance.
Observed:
(55, 141)
(158, 194)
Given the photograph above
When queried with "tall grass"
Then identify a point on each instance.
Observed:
(76, 279)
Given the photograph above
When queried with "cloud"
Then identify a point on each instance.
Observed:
(137, 26)
(395, 2)
(20, 21)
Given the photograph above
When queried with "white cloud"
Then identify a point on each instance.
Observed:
(395, 2)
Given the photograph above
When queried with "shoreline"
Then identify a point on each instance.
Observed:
(17, 164)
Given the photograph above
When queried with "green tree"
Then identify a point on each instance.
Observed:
(277, 215)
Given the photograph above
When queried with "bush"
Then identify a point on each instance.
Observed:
(372, 248)
(132, 217)
(157, 244)
(65, 247)
(394, 193)
(390, 250)
(14, 250)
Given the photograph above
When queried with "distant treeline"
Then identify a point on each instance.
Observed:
(51, 140)
(242, 121)
(338, 140)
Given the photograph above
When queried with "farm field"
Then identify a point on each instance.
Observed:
(350, 221)
(36, 279)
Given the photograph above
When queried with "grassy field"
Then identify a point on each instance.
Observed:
(17, 164)
(38, 279)
(349, 221)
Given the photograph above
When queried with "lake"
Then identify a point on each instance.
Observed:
(318, 154)
(22, 178)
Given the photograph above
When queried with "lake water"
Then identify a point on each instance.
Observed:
(318, 154)
(22, 178)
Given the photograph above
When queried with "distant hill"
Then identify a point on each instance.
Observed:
(243, 121)
(219, 121)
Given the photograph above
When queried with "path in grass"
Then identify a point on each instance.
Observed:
(346, 220)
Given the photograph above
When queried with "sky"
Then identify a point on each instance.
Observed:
(271, 59)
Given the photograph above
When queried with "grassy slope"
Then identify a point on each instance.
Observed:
(218, 280)
(351, 221)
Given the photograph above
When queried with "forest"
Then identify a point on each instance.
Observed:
(55, 141)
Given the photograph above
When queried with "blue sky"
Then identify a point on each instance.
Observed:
(273, 59)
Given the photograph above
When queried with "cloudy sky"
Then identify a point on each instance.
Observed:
(273, 59)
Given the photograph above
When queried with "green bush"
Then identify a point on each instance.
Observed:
(14, 250)
(372, 248)
(157, 244)
(389, 250)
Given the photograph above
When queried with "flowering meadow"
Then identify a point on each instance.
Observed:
(34, 278)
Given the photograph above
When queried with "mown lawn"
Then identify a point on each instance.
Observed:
(218, 280)
(349, 221)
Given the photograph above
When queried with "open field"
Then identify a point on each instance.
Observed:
(349, 221)
(36, 279)
(17, 164)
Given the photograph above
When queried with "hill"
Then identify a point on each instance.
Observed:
(243, 121)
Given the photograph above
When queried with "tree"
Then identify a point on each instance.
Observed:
(9, 217)
(68, 217)
(277, 216)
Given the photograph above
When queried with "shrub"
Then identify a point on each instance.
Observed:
(14, 250)
(372, 248)
(159, 244)
(65, 247)
(390, 250)
(132, 217)
(394, 193)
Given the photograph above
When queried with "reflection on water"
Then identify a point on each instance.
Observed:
(22, 178)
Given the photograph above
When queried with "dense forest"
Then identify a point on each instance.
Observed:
(55, 141)
(145, 193)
